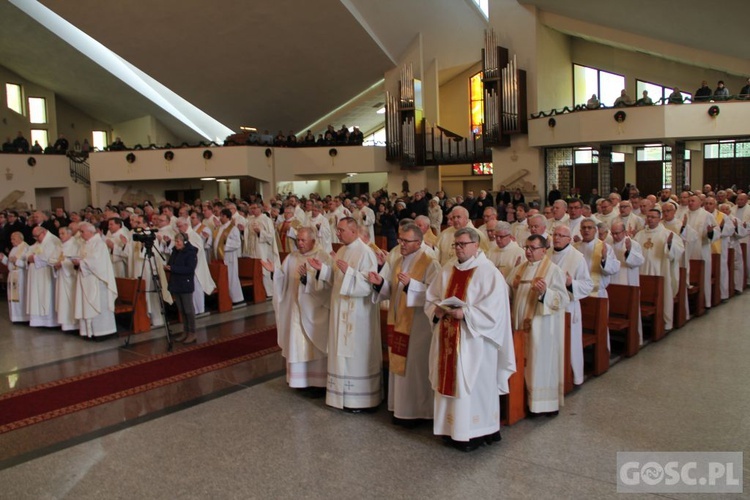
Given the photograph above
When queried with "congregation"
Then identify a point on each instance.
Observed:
(447, 299)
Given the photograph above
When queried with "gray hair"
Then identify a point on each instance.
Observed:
(470, 231)
(502, 226)
(309, 231)
(414, 229)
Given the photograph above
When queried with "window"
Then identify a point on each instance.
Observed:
(658, 93)
(377, 138)
(41, 136)
(726, 149)
(484, 6)
(37, 110)
(657, 152)
(481, 168)
(587, 81)
(476, 102)
(99, 140)
(14, 97)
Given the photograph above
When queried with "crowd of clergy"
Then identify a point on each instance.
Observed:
(450, 298)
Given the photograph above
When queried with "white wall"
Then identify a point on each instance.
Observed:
(51, 175)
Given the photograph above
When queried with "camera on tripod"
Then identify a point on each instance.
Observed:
(145, 236)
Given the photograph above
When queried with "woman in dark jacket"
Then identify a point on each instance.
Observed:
(181, 265)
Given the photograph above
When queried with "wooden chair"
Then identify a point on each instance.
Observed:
(730, 268)
(513, 404)
(594, 319)
(382, 242)
(696, 294)
(568, 370)
(746, 274)
(652, 304)
(251, 275)
(220, 275)
(715, 279)
(128, 303)
(624, 303)
(3, 276)
(680, 301)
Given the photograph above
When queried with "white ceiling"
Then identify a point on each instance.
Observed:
(719, 27)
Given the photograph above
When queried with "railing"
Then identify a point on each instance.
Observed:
(445, 147)
(80, 171)
(638, 104)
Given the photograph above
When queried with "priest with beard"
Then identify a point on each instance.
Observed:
(96, 290)
(471, 354)
(301, 303)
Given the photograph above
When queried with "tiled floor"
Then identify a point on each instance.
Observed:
(242, 433)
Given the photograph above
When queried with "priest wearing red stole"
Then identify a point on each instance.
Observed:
(471, 355)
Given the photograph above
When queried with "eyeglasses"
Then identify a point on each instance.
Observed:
(531, 249)
(462, 244)
(616, 233)
(560, 235)
(502, 236)
(402, 241)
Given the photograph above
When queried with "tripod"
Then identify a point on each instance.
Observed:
(150, 259)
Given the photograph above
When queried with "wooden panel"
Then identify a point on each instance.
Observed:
(594, 318)
(568, 368)
(131, 298)
(649, 176)
(730, 267)
(652, 303)
(696, 294)
(220, 275)
(715, 279)
(513, 405)
(624, 303)
(680, 301)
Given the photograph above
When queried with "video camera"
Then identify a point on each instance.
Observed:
(145, 236)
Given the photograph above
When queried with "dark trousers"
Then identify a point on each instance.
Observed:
(184, 302)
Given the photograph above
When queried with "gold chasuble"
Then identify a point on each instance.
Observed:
(221, 241)
(401, 318)
(531, 298)
(450, 334)
(596, 265)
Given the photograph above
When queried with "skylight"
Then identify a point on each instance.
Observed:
(160, 95)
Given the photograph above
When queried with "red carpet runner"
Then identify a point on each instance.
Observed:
(43, 402)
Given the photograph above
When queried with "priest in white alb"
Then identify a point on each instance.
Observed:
(16, 262)
(579, 285)
(97, 287)
(301, 303)
(227, 246)
(704, 224)
(458, 218)
(662, 253)
(67, 280)
(354, 343)
(539, 301)
(506, 253)
(260, 242)
(404, 283)
(40, 291)
(471, 354)
(204, 283)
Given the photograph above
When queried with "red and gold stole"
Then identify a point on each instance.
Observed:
(450, 334)
(283, 229)
(401, 318)
(221, 241)
(531, 296)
